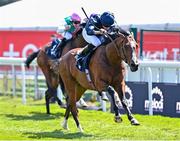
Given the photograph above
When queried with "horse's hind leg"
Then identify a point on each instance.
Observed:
(47, 98)
(50, 92)
(60, 103)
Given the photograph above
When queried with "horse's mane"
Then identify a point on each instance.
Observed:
(117, 31)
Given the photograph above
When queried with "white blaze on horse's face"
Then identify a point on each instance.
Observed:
(134, 60)
(134, 46)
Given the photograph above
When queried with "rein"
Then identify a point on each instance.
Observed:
(117, 50)
(123, 52)
(106, 34)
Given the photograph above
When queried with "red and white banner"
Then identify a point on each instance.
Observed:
(161, 45)
(156, 45)
(21, 43)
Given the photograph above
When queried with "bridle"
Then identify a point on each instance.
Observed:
(122, 53)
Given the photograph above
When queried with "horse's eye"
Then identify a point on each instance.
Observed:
(137, 46)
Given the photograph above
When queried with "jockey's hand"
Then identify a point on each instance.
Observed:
(67, 27)
(103, 31)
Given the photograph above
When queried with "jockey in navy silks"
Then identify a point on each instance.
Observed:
(94, 30)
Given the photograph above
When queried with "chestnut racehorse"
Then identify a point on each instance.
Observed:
(52, 79)
(107, 74)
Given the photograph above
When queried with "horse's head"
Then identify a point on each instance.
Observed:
(127, 47)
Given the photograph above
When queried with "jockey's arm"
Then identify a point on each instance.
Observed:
(67, 27)
(91, 30)
(117, 28)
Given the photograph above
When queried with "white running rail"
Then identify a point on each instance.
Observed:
(149, 71)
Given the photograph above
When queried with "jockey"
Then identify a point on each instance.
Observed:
(72, 25)
(94, 30)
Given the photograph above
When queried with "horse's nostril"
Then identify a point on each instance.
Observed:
(134, 63)
(134, 66)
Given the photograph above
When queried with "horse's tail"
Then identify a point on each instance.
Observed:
(30, 58)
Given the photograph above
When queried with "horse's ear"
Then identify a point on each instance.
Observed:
(132, 34)
(120, 33)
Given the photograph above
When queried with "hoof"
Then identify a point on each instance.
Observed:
(118, 119)
(104, 97)
(63, 106)
(65, 125)
(83, 103)
(134, 122)
(80, 129)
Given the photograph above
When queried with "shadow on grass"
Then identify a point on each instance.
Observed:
(58, 134)
(42, 104)
(37, 104)
(35, 116)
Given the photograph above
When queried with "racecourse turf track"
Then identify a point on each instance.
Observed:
(29, 122)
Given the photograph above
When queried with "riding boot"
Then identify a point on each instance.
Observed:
(60, 48)
(86, 50)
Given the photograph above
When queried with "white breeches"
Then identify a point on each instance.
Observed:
(91, 39)
(67, 35)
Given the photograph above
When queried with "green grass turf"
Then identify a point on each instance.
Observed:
(30, 122)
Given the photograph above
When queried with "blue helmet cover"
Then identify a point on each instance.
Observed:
(107, 19)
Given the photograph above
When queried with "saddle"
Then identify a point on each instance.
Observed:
(56, 54)
(52, 55)
(60, 46)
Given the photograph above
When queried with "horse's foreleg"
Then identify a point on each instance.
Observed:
(126, 107)
(115, 103)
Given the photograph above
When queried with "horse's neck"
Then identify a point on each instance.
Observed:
(77, 42)
(80, 41)
(112, 54)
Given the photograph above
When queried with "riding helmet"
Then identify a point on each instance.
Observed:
(75, 17)
(107, 19)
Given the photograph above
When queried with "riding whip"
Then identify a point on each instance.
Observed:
(84, 12)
